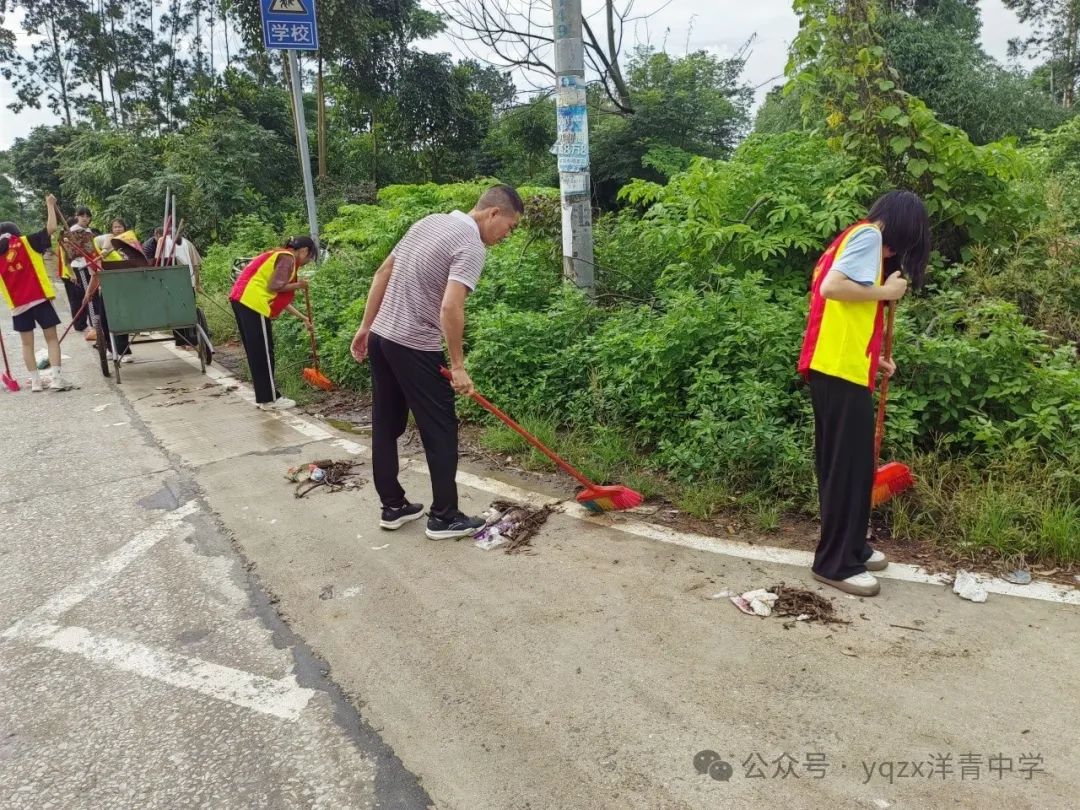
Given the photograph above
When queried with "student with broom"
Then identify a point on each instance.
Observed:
(27, 290)
(266, 288)
(868, 264)
(417, 298)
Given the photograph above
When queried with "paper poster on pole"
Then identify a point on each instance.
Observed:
(573, 183)
(567, 231)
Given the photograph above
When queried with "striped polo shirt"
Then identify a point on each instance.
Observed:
(437, 249)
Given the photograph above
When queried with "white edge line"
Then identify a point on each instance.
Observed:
(283, 698)
(1039, 590)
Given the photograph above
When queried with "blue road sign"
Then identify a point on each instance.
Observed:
(289, 25)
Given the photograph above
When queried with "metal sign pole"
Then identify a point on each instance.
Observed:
(302, 145)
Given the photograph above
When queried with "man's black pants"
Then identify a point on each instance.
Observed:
(844, 457)
(405, 380)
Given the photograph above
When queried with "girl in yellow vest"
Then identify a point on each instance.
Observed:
(25, 286)
(265, 289)
(868, 264)
(118, 345)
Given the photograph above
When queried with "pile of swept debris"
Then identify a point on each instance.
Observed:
(511, 526)
(785, 600)
(334, 475)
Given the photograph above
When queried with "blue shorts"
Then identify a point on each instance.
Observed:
(43, 314)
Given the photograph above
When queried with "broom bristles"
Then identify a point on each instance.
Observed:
(609, 499)
(890, 480)
(318, 379)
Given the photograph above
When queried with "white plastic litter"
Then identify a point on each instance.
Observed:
(967, 586)
(756, 603)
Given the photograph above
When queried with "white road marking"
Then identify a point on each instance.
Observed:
(1044, 591)
(283, 698)
(1039, 590)
(170, 525)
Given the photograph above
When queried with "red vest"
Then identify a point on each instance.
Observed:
(252, 288)
(843, 338)
(22, 274)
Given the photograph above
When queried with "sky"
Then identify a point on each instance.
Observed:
(718, 26)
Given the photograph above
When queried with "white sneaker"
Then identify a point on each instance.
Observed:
(127, 358)
(36, 386)
(110, 356)
(59, 383)
(877, 562)
(864, 584)
(279, 404)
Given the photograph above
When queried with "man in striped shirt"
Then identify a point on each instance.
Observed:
(417, 299)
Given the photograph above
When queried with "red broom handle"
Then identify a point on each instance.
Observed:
(311, 328)
(74, 318)
(518, 429)
(879, 432)
(3, 348)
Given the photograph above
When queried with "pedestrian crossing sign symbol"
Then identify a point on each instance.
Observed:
(288, 7)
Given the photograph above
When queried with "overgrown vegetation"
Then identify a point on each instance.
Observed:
(679, 379)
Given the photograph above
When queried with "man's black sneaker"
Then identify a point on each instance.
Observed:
(396, 518)
(457, 525)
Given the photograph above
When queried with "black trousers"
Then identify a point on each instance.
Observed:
(844, 457)
(118, 344)
(257, 335)
(405, 380)
(75, 293)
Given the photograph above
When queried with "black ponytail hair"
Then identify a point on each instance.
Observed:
(302, 241)
(905, 229)
(8, 231)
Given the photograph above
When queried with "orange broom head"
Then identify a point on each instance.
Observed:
(316, 378)
(889, 480)
(608, 499)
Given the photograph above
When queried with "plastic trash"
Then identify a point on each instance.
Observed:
(967, 587)
(1018, 577)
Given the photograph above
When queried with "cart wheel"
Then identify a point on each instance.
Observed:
(102, 357)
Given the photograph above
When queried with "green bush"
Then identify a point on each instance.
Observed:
(680, 379)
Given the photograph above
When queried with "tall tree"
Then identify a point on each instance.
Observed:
(50, 71)
(1055, 37)
(517, 34)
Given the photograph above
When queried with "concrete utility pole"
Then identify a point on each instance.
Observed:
(572, 146)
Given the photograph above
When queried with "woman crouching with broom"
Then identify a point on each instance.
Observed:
(868, 264)
(265, 289)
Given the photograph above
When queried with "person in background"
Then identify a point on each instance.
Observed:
(73, 288)
(266, 288)
(841, 358)
(149, 247)
(84, 234)
(117, 345)
(417, 299)
(28, 292)
(186, 254)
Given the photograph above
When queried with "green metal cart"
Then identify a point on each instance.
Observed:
(149, 299)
